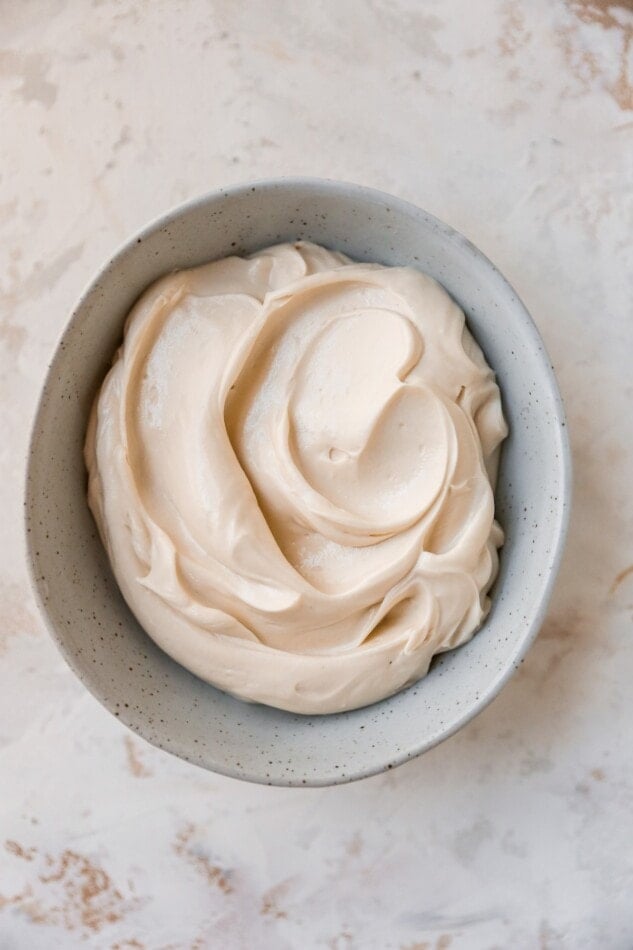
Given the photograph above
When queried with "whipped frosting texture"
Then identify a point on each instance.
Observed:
(291, 465)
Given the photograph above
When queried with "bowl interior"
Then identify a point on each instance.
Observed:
(87, 615)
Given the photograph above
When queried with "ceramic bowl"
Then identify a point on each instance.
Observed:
(88, 618)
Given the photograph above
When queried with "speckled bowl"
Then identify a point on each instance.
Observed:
(78, 595)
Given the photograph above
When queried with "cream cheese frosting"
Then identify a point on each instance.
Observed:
(291, 465)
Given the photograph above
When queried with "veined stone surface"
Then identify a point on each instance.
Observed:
(511, 121)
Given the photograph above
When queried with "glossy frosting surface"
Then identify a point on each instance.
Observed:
(291, 465)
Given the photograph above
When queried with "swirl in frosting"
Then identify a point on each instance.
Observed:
(291, 464)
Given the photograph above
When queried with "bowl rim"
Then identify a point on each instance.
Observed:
(559, 532)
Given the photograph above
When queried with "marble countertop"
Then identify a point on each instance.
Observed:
(514, 123)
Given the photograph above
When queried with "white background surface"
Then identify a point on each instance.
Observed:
(513, 122)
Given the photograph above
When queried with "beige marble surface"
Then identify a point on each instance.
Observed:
(510, 120)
